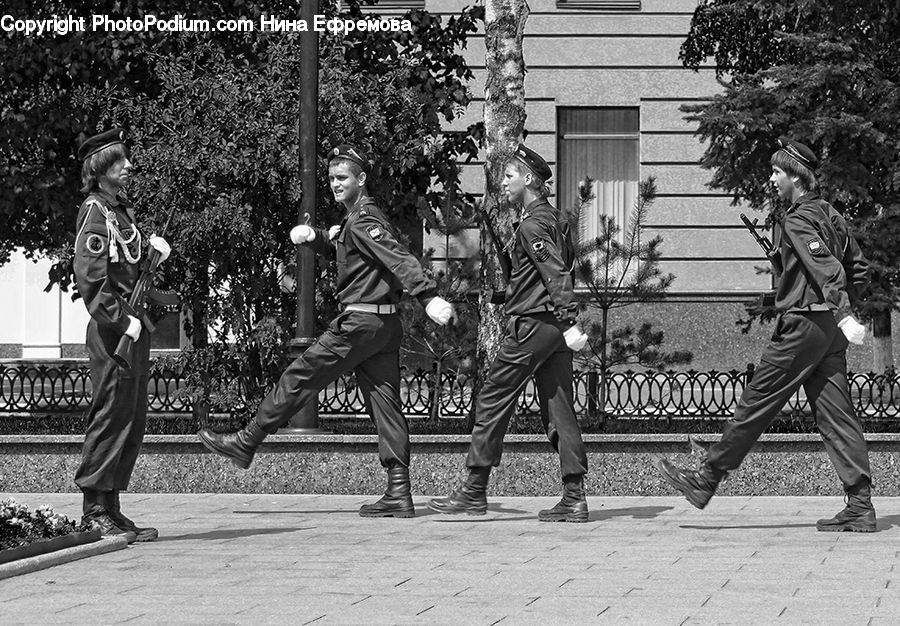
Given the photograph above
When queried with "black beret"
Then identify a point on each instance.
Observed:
(346, 151)
(534, 162)
(799, 152)
(93, 145)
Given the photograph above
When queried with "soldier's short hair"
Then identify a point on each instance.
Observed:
(355, 168)
(792, 167)
(541, 187)
(98, 164)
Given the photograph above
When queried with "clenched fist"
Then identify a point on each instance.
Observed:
(575, 339)
(439, 310)
(853, 330)
(302, 234)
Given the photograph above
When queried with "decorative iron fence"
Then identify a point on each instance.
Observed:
(65, 386)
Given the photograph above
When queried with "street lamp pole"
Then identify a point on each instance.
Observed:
(307, 419)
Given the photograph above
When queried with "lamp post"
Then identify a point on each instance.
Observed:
(307, 419)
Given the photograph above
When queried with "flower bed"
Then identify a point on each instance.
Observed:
(24, 534)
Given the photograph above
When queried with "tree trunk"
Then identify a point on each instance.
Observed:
(200, 341)
(603, 366)
(504, 121)
(434, 412)
(883, 349)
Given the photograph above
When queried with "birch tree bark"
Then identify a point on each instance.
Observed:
(504, 121)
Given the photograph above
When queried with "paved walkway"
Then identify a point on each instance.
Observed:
(311, 559)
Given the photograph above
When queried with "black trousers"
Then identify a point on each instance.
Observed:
(367, 344)
(806, 349)
(534, 345)
(118, 414)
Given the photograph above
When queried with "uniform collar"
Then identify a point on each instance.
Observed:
(534, 205)
(120, 199)
(360, 203)
(807, 197)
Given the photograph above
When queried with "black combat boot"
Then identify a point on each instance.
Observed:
(397, 500)
(858, 516)
(470, 498)
(114, 509)
(239, 447)
(698, 486)
(95, 514)
(573, 506)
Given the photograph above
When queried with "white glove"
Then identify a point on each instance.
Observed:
(159, 244)
(575, 339)
(302, 234)
(134, 328)
(334, 231)
(439, 310)
(853, 330)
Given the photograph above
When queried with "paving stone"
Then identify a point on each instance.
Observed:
(294, 559)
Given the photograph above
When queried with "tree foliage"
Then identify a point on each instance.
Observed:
(825, 72)
(213, 121)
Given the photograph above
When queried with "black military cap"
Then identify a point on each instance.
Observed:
(799, 152)
(534, 162)
(346, 151)
(93, 145)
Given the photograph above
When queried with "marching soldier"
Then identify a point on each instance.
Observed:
(373, 269)
(821, 271)
(108, 250)
(539, 341)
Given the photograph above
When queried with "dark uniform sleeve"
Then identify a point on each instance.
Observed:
(855, 265)
(90, 265)
(541, 247)
(376, 239)
(823, 269)
(321, 244)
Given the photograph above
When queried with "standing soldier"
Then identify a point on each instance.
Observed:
(373, 269)
(821, 269)
(108, 249)
(539, 341)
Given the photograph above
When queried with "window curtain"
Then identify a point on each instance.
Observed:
(613, 164)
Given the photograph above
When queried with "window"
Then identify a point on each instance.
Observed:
(603, 144)
(600, 5)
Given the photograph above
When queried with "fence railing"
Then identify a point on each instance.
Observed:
(65, 386)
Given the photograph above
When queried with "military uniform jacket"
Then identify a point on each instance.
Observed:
(108, 249)
(823, 265)
(373, 267)
(542, 260)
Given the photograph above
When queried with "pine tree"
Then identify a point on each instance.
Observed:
(619, 272)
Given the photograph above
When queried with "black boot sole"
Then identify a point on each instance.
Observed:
(846, 528)
(215, 449)
(401, 514)
(438, 508)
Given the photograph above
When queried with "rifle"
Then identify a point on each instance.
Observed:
(144, 292)
(502, 256)
(764, 243)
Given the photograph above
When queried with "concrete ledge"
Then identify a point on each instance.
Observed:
(43, 561)
(620, 465)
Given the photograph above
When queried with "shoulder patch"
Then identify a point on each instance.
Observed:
(95, 244)
(816, 247)
(539, 247)
(375, 232)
